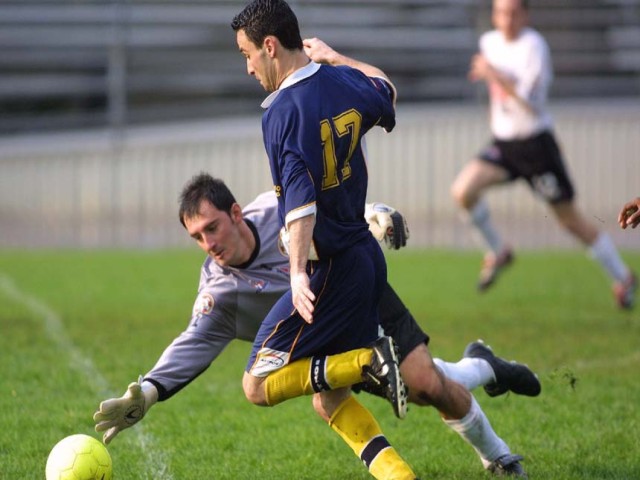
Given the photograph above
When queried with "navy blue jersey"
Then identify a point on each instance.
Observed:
(313, 129)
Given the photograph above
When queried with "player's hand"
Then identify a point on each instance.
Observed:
(302, 296)
(480, 69)
(318, 51)
(387, 224)
(630, 214)
(116, 414)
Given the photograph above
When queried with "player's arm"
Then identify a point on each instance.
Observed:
(320, 52)
(300, 237)
(188, 356)
(185, 359)
(630, 214)
(482, 70)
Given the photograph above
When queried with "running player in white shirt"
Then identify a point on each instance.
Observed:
(515, 63)
(246, 272)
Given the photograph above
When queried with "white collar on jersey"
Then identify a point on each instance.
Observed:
(300, 74)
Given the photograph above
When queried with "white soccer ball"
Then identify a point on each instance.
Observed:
(79, 457)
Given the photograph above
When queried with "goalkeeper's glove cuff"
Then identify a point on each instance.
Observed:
(378, 216)
(150, 393)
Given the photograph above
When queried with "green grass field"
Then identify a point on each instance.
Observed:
(77, 327)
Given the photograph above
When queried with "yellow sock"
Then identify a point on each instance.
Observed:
(340, 370)
(311, 375)
(361, 432)
(388, 465)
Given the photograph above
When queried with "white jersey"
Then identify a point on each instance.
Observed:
(527, 62)
(231, 302)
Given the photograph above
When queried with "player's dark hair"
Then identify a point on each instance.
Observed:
(204, 187)
(523, 3)
(262, 18)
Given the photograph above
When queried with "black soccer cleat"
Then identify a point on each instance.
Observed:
(510, 376)
(507, 466)
(383, 375)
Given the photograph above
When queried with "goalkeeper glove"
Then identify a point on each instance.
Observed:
(283, 245)
(387, 224)
(116, 414)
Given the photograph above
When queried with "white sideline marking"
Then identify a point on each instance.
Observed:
(55, 329)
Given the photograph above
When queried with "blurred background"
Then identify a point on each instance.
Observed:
(108, 107)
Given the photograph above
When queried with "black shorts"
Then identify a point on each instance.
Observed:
(538, 160)
(398, 323)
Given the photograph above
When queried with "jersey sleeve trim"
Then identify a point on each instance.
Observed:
(303, 211)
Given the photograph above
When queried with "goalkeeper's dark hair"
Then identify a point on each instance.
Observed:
(262, 18)
(204, 187)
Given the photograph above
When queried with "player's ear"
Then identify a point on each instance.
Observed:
(236, 213)
(270, 45)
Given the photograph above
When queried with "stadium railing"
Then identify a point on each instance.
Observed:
(119, 188)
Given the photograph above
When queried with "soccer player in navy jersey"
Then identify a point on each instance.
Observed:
(318, 337)
(313, 127)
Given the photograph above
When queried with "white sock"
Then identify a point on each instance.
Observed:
(469, 372)
(475, 428)
(480, 218)
(605, 252)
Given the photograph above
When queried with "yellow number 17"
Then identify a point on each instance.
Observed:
(348, 122)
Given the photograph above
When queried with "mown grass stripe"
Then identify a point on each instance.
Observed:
(56, 331)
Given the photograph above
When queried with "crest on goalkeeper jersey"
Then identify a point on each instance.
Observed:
(204, 304)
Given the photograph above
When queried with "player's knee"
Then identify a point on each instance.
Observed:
(426, 386)
(254, 396)
(254, 391)
(427, 391)
(461, 195)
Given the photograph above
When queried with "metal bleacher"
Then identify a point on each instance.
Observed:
(595, 45)
(67, 64)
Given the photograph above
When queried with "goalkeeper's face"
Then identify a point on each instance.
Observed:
(220, 234)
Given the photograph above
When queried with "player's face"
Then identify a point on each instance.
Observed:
(259, 63)
(509, 17)
(218, 234)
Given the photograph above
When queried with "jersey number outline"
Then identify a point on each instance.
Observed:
(348, 122)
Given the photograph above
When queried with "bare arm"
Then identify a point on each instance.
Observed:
(300, 235)
(320, 52)
(481, 70)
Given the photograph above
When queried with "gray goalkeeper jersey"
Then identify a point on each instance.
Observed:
(231, 303)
